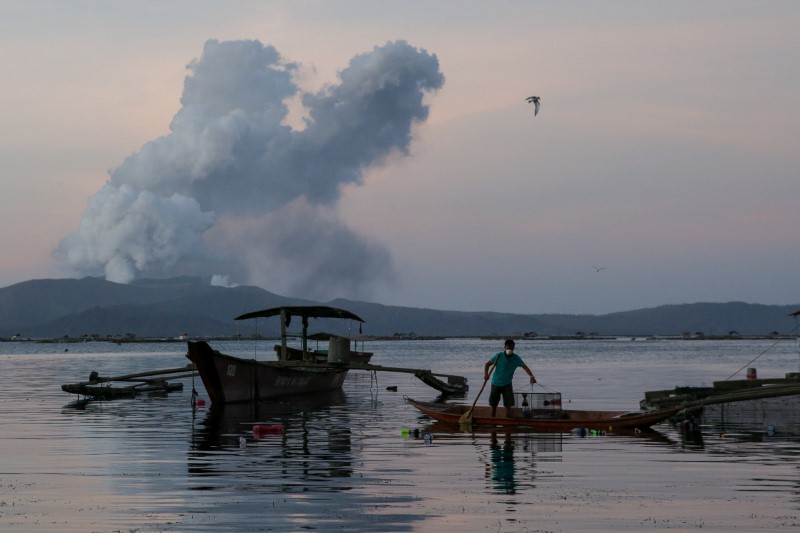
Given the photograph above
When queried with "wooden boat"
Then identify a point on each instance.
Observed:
(230, 379)
(550, 420)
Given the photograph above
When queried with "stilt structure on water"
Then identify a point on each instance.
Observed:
(728, 391)
(722, 392)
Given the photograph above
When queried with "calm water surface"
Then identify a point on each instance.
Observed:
(342, 462)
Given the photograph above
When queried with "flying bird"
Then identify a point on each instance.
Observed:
(597, 268)
(535, 101)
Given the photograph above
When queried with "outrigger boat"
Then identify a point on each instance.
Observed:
(130, 385)
(546, 420)
(229, 379)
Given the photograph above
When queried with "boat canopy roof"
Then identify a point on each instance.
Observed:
(304, 311)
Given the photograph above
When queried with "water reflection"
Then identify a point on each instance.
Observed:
(308, 439)
(767, 417)
(342, 464)
(311, 471)
(766, 420)
(511, 467)
(502, 465)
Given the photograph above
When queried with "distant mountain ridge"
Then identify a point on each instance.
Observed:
(54, 308)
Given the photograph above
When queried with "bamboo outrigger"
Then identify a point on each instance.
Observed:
(108, 388)
(454, 384)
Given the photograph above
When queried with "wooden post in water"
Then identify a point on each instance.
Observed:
(796, 315)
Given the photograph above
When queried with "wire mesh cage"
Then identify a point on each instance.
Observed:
(537, 401)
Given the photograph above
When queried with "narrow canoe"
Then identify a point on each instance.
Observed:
(551, 420)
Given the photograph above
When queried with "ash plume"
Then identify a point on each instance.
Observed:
(234, 192)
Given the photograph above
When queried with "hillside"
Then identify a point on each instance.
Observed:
(54, 308)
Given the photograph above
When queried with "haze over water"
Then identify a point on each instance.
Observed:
(342, 463)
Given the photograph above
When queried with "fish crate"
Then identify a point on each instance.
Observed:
(529, 402)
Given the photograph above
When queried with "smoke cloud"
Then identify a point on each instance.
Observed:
(234, 192)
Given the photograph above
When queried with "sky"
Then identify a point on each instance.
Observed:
(384, 151)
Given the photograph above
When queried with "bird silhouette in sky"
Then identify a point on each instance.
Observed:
(597, 268)
(535, 101)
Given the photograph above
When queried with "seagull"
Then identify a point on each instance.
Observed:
(597, 268)
(535, 101)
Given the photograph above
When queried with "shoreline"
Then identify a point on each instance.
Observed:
(364, 338)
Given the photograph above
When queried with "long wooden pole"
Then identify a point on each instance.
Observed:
(466, 418)
(133, 377)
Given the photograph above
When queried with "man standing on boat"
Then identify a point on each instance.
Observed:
(505, 363)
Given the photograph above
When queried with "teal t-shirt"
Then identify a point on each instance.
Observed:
(505, 367)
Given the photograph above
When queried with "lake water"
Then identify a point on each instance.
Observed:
(343, 463)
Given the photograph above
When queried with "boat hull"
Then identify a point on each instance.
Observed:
(546, 420)
(229, 379)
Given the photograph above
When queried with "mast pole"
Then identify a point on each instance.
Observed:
(283, 334)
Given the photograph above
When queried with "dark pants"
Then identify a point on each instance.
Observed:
(506, 391)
